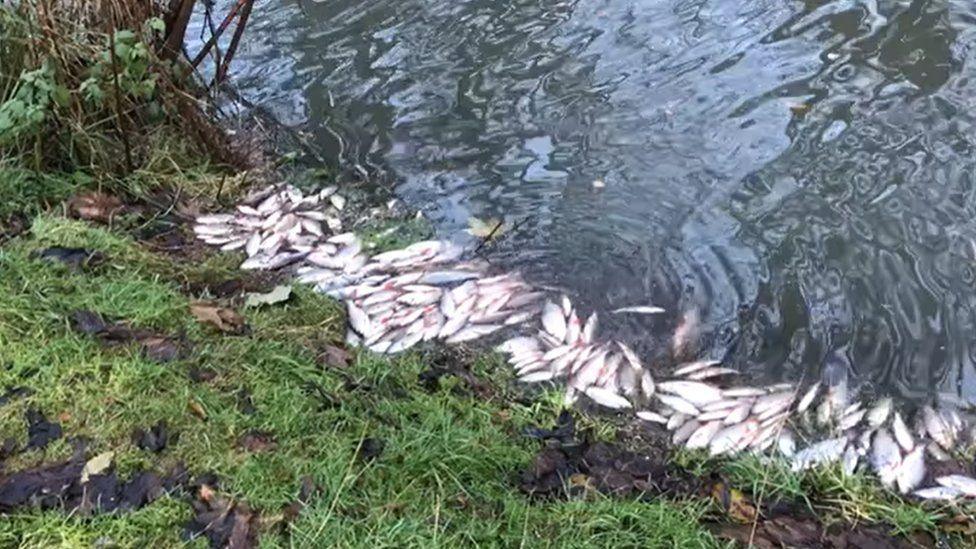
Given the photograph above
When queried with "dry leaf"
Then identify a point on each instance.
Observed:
(488, 229)
(197, 409)
(334, 357)
(800, 109)
(95, 206)
(96, 465)
(222, 318)
(277, 295)
(735, 503)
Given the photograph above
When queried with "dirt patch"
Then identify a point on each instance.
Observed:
(793, 531)
(569, 464)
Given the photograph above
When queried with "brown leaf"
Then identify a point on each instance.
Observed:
(735, 503)
(197, 409)
(959, 524)
(334, 357)
(224, 319)
(257, 441)
(95, 206)
(161, 349)
(800, 109)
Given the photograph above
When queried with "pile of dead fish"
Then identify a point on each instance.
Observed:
(427, 291)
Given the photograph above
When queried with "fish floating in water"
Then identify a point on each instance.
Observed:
(426, 291)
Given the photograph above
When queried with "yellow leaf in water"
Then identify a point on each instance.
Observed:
(800, 109)
(488, 229)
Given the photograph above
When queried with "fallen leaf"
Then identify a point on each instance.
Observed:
(488, 229)
(40, 431)
(222, 318)
(153, 439)
(64, 417)
(75, 258)
(959, 524)
(161, 349)
(734, 502)
(95, 206)
(278, 295)
(257, 441)
(800, 109)
(197, 409)
(335, 357)
(96, 465)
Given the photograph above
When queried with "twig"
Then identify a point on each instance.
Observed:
(234, 41)
(501, 223)
(215, 36)
(118, 98)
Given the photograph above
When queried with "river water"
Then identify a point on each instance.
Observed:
(799, 172)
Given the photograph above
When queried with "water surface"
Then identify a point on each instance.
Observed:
(801, 172)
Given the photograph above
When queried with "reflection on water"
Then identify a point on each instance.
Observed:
(801, 171)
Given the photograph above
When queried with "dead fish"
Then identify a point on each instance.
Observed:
(966, 485)
(653, 417)
(681, 434)
(405, 342)
(885, 457)
(826, 451)
(359, 320)
(937, 428)
(768, 405)
(902, 434)
(939, 493)
(519, 344)
(677, 420)
(607, 398)
(537, 377)
(473, 332)
(911, 471)
(786, 443)
(734, 437)
(647, 384)
(215, 219)
(686, 333)
(741, 392)
(678, 404)
(567, 306)
(703, 435)
(808, 397)
(695, 392)
(879, 412)
(639, 309)
(709, 373)
(553, 321)
(835, 377)
(737, 414)
(691, 367)
(589, 329)
(631, 356)
(850, 420)
(573, 328)
(849, 460)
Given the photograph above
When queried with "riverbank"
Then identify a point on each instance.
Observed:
(144, 402)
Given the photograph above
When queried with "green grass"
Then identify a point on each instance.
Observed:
(447, 476)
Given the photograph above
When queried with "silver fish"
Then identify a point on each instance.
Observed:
(902, 433)
(681, 434)
(677, 420)
(939, 493)
(639, 309)
(709, 373)
(678, 404)
(734, 437)
(607, 398)
(473, 332)
(885, 457)
(937, 428)
(823, 452)
(652, 417)
(879, 413)
(695, 392)
(519, 344)
(912, 470)
(703, 435)
(966, 485)
(740, 392)
(553, 321)
(808, 397)
(691, 367)
(589, 329)
(537, 377)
